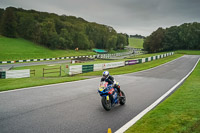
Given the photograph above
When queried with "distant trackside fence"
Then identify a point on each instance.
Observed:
(71, 57)
(77, 69)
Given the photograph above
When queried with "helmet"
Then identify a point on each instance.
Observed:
(105, 73)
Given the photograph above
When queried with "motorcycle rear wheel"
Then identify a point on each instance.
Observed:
(106, 103)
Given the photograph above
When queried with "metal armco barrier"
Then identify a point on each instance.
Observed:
(139, 60)
(113, 65)
(131, 62)
(87, 68)
(143, 60)
(17, 73)
(3, 75)
(146, 59)
(151, 58)
(77, 69)
(98, 67)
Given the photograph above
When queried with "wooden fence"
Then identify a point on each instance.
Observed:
(49, 70)
(32, 72)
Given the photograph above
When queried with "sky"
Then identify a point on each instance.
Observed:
(125, 16)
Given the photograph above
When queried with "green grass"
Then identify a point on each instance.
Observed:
(20, 49)
(39, 70)
(188, 52)
(136, 42)
(178, 113)
(10, 84)
(135, 68)
(97, 61)
(38, 79)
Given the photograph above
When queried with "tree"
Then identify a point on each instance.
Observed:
(9, 23)
(155, 41)
(53, 42)
(81, 41)
(137, 36)
(59, 25)
(171, 40)
(146, 44)
(65, 39)
(26, 26)
(59, 32)
(185, 36)
(121, 41)
(112, 41)
(48, 33)
(1, 16)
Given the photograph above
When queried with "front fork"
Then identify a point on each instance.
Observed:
(107, 98)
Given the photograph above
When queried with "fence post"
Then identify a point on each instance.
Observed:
(67, 69)
(32, 72)
(60, 71)
(43, 72)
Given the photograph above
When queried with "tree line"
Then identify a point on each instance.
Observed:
(137, 36)
(185, 37)
(59, 32)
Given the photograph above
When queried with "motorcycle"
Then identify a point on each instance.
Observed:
(110, 96)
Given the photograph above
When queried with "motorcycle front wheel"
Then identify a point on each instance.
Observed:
(122, 100)
(106, 103)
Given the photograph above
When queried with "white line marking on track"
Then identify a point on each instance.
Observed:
(141, 114)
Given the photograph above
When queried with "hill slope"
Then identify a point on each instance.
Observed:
(136, 42)
(59, 32)
(17, 48)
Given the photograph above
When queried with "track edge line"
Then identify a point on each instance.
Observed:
(141, 114)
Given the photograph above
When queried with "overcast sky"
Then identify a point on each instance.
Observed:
(126, 16)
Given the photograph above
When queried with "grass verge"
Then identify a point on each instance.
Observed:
(135, 68)
(10, 84)
(188, 52)
(178, 113)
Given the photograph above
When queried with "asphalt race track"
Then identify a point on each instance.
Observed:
(75, 107)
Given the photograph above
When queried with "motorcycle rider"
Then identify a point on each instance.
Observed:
(108, 78)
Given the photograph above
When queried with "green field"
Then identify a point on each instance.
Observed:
(20, 49)
(10, 84)
(136, 42)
